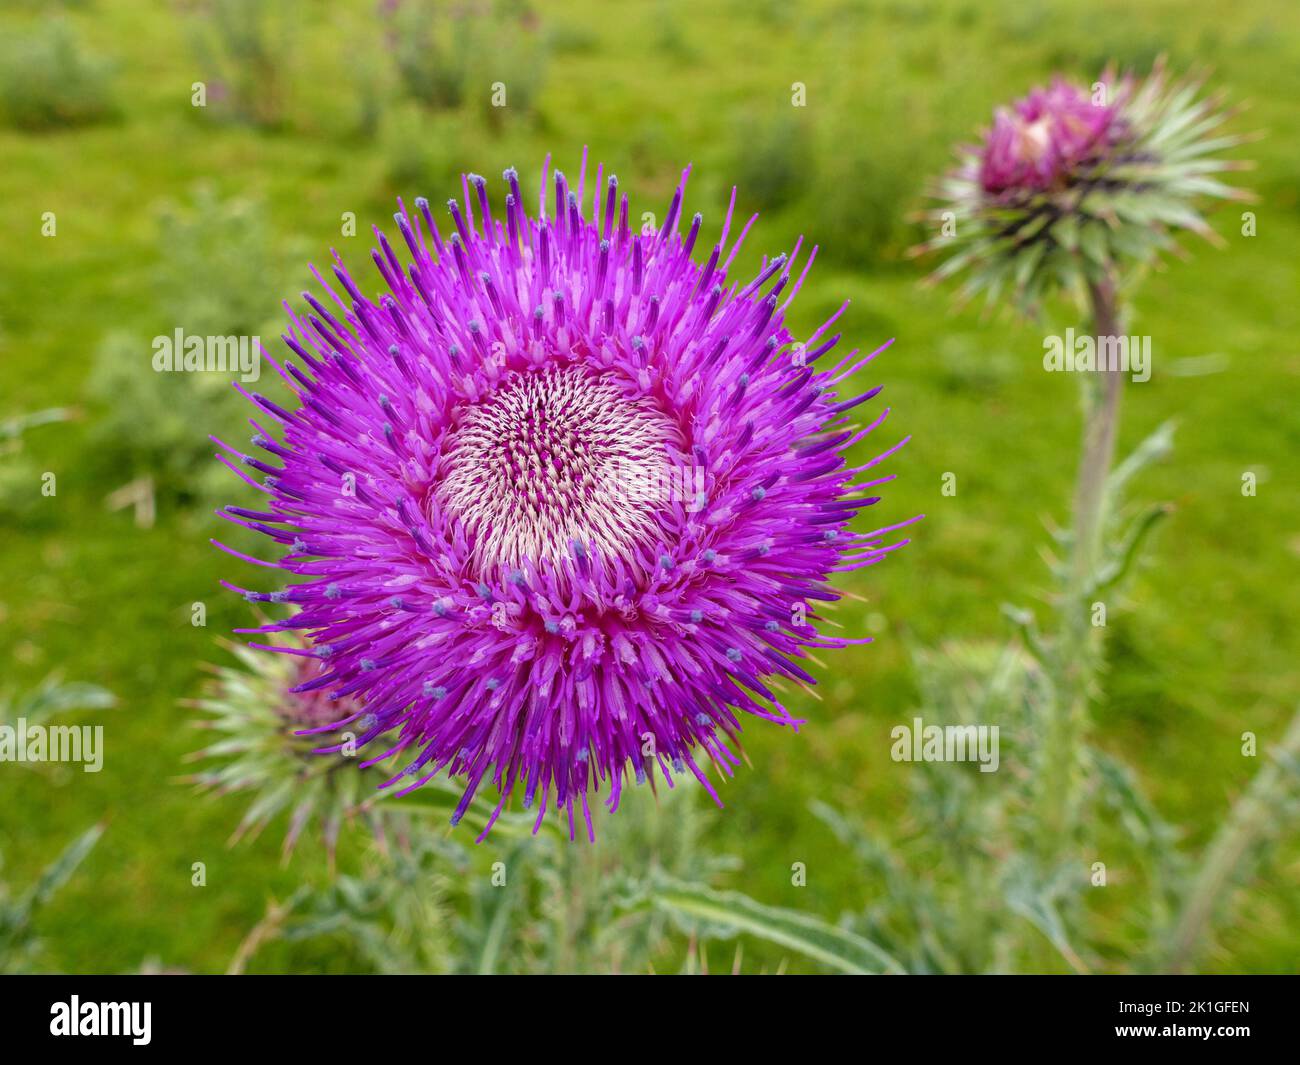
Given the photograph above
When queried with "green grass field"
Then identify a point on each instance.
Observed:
(1203, 649)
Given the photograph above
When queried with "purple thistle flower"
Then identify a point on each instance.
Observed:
(562, 499)
(1068, 188)
(1043, 139)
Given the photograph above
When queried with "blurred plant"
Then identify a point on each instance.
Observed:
(245, 51)
(637, 899)
(152, 424)
(19, 947)
(509, 69)
(219, 261)
(571, 38)
(707, 914)
(1265, 812)
(261, 750)
(772, 158)
(33, 709)
(1075, 192)
(419, 149)
(49, 5)
(370, 93)
(216, 270)
(971, 896)
(861, 171)
(955, 913)
(391, 918)
(448, 55)
(432, 66)
(48, 82)
(669, 37)
(52, 696)
(20, 480)
(575, 912)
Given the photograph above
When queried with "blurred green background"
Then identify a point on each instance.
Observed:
(169, 214)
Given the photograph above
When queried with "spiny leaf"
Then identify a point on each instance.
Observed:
(57, 873)
(500, 908)
(807, 935)
(1156, 447)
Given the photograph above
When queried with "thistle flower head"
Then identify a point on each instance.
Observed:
(1070, 184)
(561, 502)
(266, 745)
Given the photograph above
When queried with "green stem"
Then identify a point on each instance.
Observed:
(1098, 448)
(1250, 819)
(1078, 643)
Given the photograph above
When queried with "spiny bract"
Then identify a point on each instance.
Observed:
(260, 751)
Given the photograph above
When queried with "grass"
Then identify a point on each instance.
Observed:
(1205, 649)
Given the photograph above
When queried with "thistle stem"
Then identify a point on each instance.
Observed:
(1098, 446)
(1078, 644)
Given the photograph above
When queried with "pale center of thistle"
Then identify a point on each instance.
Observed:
(555, 457)
(1035, 138)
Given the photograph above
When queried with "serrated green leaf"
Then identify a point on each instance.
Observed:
(810, 936)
